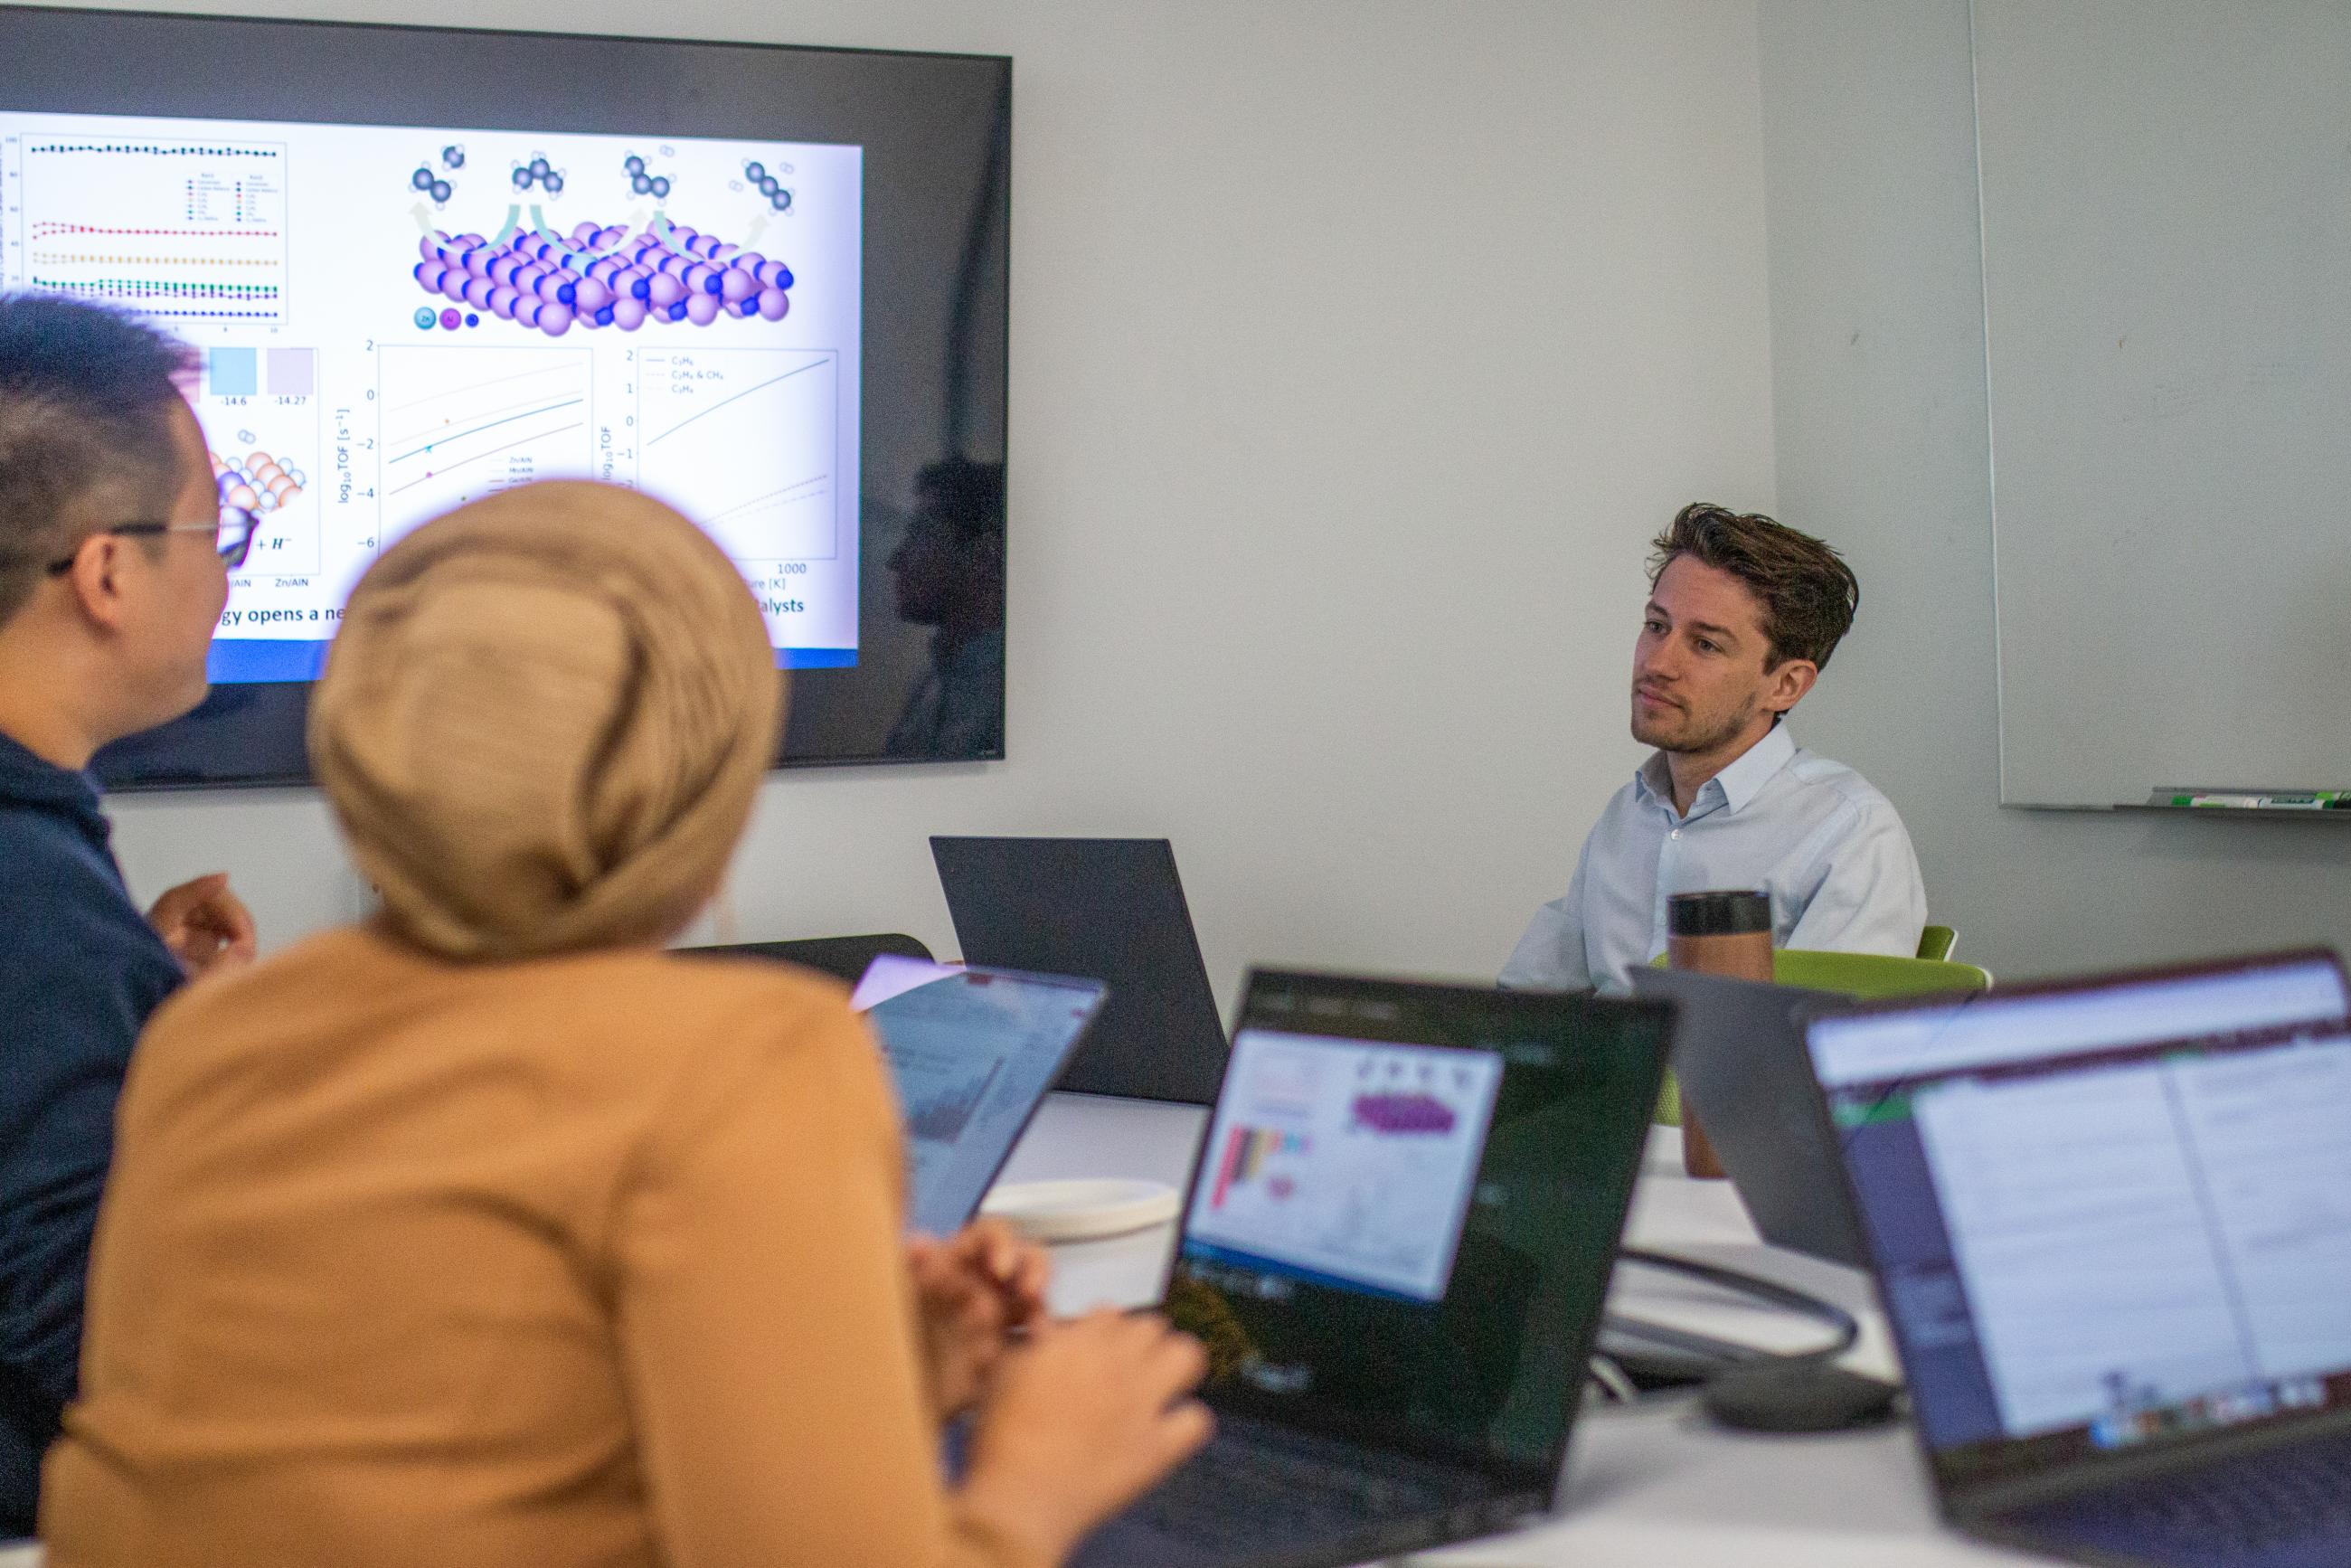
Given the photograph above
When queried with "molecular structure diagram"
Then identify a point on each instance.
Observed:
(537, 172)
(433, 184)
(256, 482)
(768, 185)
(642, 182)
(603, 276)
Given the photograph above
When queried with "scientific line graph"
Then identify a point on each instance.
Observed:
(462, 423)
(743, 441)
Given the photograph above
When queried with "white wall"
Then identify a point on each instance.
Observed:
(1357, 348)
(1877, 333)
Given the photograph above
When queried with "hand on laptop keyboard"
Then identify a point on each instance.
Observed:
(1082, 1419)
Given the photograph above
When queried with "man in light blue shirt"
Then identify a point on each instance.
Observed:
(1742, 616)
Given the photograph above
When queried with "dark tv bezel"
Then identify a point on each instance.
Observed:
(188, 64)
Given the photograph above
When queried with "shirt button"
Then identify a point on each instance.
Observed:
(1678, 832)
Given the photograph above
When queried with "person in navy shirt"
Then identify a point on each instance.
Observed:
(114, 561)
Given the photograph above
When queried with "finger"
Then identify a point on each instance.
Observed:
(1185, 1430)
(177, 904)
(1176, 1364)
(976, 1246)
(1001, 1249)
(1026, 1296)
(228, 915)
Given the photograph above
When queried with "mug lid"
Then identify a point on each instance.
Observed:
(1739, 912)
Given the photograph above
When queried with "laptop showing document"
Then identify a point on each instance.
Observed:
(1396, 1244)
(972, 1053)
(2111, 1222)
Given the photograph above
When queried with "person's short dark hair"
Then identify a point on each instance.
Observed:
(967, 496)
(1808, 593)
(85, 402)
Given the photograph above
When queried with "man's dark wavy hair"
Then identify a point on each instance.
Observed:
(1809, 594)
(86, 396)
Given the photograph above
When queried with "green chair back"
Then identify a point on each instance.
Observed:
(1937, 942)
(1872, 975)
(1869, 977)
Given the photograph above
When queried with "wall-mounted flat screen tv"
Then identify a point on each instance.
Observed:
(416, 266)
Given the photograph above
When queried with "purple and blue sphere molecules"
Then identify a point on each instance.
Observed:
(768, 185)
(643, 179)
(541, 173)
(431, 184)
(453, 157)
(602, 277)
(255, 481)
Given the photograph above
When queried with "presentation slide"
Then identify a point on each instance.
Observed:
(394, 320)
(1344, 1158)
(972, 1053)
(2135, 1236)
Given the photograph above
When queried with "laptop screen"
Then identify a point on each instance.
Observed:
(1405, 1211)
(972, 1053)
(2106, 1215)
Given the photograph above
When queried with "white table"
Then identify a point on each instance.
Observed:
(1658, 1483)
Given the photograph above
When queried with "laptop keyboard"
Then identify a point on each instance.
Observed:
(2287, 1507)
(1246, 1488)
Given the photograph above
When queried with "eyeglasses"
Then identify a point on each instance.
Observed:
(232, 536)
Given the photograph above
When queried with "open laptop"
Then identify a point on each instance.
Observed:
(972, 1053)
(1398, 1239)
(1112, 908)
(1738, 1056)
(2111, 1222)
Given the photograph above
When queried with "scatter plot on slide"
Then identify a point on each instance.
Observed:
(743, 441)
(191, 228)
(463, 424)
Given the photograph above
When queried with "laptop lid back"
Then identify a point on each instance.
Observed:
(972, 1053)
(1403, 1221)
(1739, 1057)
(2110, 1217)
(1111, 908)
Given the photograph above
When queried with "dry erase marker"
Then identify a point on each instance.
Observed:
(2262, 800)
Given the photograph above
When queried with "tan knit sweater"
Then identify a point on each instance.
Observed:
(580, 1260)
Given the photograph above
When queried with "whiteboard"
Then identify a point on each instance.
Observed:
(2166, 237)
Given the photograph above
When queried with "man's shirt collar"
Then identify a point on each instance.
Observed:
(1735, 786)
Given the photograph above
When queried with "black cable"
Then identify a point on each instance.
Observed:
(1695, 1350)
(1846, 1327)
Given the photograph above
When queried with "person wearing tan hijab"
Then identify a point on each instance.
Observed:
(486, 1234)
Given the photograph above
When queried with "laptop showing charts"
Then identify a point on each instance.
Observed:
(2111, 1221)
(972, 1053)
(1112, 908)
(1739, 1057)
(1396, 1243)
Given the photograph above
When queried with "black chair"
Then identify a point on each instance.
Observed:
(845, 958)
